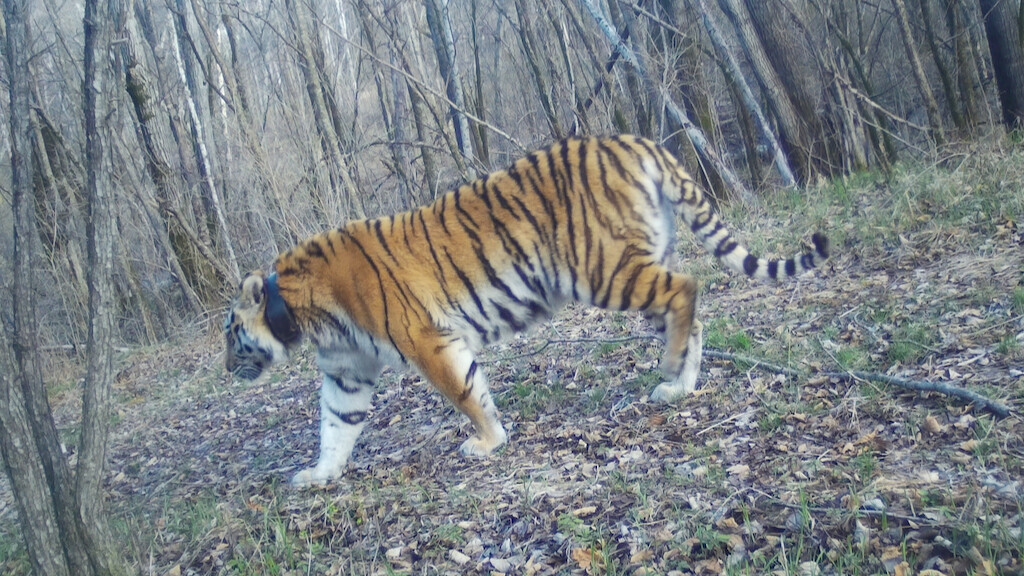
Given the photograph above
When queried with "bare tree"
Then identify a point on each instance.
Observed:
(931, 106)
(61, 512)
(1006, 47)
(735, 76)
(440, 23)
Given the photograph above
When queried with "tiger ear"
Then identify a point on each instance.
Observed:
(253, 290)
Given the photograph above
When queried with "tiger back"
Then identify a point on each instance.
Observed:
(590, 220)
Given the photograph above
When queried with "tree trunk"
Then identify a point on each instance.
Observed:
(170, 230)
(930, 105)
(24, 468)
(529, 43)
(958, 26)
(326, 123)
(638, 100)
(101, 28)
(183, 59)
(240, 107)
(1006, 47)
(80, 544)
(43, 441)
(444, 46)
(790, 103)
(735, 77)
(948, 88)
(28, 467)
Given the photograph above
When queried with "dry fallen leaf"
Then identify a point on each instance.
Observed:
(584, 511)
(583, 557)
(458, 557)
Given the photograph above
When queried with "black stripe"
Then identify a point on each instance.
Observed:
(350, 418)
(314, 249)
(699, 223)
(508, 317)
(439, 210)
(807, 261)
(750, 264)
(627, 290)
(790, 267)
(461, 212)
(718, 226)
(384, 297)
(503, 202)
(466, 282)
(343, 386)
(725, 247)
(652, 291)
(380, 238)
(773, 269)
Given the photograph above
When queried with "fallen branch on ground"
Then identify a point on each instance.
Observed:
(997, 408)
(993, 406)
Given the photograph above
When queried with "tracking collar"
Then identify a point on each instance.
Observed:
(277, 314)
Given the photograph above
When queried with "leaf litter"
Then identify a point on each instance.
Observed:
(756, 473)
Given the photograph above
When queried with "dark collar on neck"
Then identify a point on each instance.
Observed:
(279, 317)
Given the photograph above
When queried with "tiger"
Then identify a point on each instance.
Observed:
(591, 220)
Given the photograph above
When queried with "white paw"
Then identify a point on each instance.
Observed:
(667, 392)
(314, 477)
(477, 446)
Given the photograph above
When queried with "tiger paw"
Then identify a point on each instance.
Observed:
(477, 446)
(667, 392)
(314, 477)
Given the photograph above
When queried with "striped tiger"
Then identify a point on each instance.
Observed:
(590, 220)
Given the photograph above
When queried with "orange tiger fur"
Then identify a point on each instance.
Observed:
(589, 219)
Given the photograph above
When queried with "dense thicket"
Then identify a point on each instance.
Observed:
(238, 127)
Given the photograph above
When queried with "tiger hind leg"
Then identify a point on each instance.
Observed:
(686, 382)
(670, 299)
(453, 370)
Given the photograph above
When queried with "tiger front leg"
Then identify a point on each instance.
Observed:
(344, 402)
(454, 372)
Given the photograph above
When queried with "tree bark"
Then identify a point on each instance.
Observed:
(101, 28)
(171, 231)
(529, 43)
(24, 468)
(788, 100)
(326, 123)
(678, 114)
(735, 76)
(1006, 47)
(948, 88)
(958, 26)
(29, 469)
(444, 46)
(199, 144)
(930, 105)
(43, 441)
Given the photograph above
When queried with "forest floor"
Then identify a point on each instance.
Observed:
(757, 473)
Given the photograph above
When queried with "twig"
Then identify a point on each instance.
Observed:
(861, 511)
(997, 408)
(993, 406)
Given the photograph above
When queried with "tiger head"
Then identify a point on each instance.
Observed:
(258, 328)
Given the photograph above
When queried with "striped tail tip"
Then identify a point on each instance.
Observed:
(820, 244)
